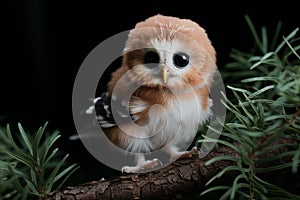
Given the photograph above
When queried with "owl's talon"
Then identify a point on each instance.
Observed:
(127, 169)
(188, 154)
(159, 163)
(182, 154)
(147, 164)
(194, 151)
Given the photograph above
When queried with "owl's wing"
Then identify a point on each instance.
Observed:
(103, 109)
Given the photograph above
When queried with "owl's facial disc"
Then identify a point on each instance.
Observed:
(169, 60)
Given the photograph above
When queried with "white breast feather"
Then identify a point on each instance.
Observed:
(175, 125)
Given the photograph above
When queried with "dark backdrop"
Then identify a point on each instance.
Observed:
(45, 42)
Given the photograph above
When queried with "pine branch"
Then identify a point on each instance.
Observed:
(181, 178)
(30, 167)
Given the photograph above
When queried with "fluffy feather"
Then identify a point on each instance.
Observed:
(166, 114)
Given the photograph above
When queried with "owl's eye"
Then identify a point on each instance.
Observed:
(181, 59)
(151, 57)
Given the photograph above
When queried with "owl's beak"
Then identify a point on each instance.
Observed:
(165, 74)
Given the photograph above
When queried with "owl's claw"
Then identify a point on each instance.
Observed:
(194, 151)
(184, 154)
(188, 154)
(147, 164)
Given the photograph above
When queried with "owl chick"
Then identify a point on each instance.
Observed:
(160, 94)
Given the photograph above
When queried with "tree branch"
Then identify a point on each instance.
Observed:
(179, 178)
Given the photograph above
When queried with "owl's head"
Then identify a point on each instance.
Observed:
(169, 52)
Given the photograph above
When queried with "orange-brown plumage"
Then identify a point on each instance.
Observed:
(172, 62)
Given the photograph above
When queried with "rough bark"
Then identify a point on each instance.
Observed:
(173, 181)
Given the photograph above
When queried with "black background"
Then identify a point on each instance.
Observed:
(45, 42)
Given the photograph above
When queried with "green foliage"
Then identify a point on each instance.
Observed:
(30, 167)
(263, 101)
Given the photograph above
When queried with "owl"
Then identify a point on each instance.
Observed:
(160, 95)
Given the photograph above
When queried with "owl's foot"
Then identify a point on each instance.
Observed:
(148, 164)
(188, 154)
(142, 165)
(175, 154)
